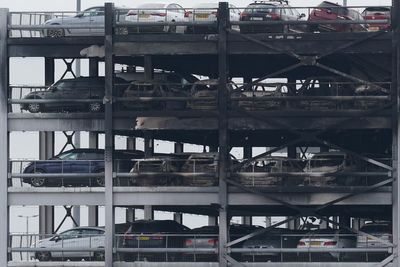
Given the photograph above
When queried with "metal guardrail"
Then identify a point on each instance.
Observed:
(39, 24)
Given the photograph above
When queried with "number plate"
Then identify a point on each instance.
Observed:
(144, 16)
(143, 238)
(315, 243)
(202, 16)
(256, 18)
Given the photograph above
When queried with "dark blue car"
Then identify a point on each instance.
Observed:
(83, 161)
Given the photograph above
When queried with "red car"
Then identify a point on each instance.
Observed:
(330, 11)
(377, 13)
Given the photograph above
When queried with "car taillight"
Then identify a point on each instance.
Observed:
(213, 242)
(273, 16)
(215, 13)
(131, 13)
(188, 242)
(188, 13)
(159, 14)
(243, 15)
(301, 243)
(330, 243)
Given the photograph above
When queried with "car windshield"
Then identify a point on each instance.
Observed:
(260, 9)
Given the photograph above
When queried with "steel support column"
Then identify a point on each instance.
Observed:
(131, 143)
(93, 211)
(148, 212)
(3, 137)
(178, 217)
(49, 71)
(396, 131)
(223, 142)
(93, 67)
(109, 134)
(130, 215)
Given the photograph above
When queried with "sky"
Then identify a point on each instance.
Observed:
(22, 145)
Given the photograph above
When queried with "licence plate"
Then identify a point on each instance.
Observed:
(143, 238)
(202, 16)
(256, 18)
(315, 243)
(374, 29)
(144, 16)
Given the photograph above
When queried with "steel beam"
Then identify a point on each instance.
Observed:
(223, 131)
(93, 211)
(396, 131)
(4, 63)
(109, 134)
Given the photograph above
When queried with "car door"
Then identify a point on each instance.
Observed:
(66, 239)
(89, 18)
(67, 91)
(97, 21)
(81, 19)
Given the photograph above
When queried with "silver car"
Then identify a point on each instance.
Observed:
(79, 239)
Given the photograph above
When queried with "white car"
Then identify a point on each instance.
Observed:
(92, 19)
(80, 238)
(208, 12)
(157, 13)
(328, 239)
(382, 230)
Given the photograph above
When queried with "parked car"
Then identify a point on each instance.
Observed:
(148, 89)
(90, 21)
(70, 90)
(331, 11)
(154, 234)
(370, 90)
(207, 92)
(382, 230)
(204, 163)
(157, 13)
(79, 238)
(208, 12)
(377, 13)
(271, 11)
(83, 161)
(274, 239)
(330, 163)
(328, 239)
(249, 99)
(206, 237)
(163, 171)
(264, 168)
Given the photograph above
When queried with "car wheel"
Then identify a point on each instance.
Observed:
(43, 256)
(34, 107)
(99, 256)
(38, 181)
(99, 181)
(95, 107)
(55, 33)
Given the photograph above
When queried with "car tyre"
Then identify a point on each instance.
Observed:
(99, 181)
(34, 107)
(99, 256)
(95, 107)
(43, 256)
(55, 33)
(38, 181)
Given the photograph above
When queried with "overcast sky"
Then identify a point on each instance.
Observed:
(70, 5)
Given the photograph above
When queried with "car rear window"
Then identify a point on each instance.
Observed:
(335, 8)
(261, 9)
(380, 228)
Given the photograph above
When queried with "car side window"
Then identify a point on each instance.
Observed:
(68, 156)
(70, 234)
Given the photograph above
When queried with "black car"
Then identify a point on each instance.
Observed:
(271, 11)
(83, 161)
(206, 237)
(70, 90)
(154, 234)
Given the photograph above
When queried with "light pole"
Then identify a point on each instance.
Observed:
(27, 217)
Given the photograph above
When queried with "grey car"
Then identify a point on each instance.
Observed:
(71, 91)
(80, 239)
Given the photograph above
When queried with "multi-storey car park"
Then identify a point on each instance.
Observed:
(319, 109)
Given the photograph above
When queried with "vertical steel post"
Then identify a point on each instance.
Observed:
(131, 143)
(93, 211)
(130, 215)
(178, 217)
(3, 137)
(223, 142)
(148, 212)
(109, 134)
(148, 68)
(395, 130)
(93, 67)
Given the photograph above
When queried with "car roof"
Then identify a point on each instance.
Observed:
(85, 228)
(377, 8)
(83, 150)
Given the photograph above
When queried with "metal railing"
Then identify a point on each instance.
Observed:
(200, 247)
(282, 19)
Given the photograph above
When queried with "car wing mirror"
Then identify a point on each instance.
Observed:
(302, 15)
(79, 15)
(329, 11)
(53, 88)
(56, 238)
